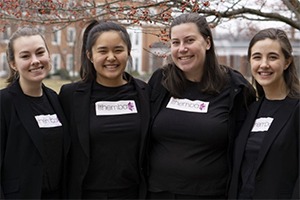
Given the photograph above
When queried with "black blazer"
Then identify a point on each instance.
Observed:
(278, 161)
(75, 99)
(22, 147)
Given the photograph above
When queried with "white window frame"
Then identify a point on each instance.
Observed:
(71, 36)
(5, 35)
(56, 60)
(56, 40)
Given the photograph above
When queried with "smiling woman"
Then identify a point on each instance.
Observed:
(197, 107)
(268, 143)
(34, 133)
(112, 109)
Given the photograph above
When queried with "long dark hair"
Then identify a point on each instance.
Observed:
(213, 79)
(90, 36)
(290, 74)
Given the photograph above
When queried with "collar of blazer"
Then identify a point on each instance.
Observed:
(281, 118)
(26, 116)
(80, 104)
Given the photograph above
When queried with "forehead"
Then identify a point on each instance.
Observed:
(184, 30)
(110, 38)
(28, 43)
(266, 45)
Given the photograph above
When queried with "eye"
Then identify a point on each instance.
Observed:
(273, 57)
(190, 40)
(102, 51)
(175, 43)
(256, 57)
(119, 50)
(40, 53)
(24, 56)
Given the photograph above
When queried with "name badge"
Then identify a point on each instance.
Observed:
(188, 105)
(48, 121)
(262, 124)
(115, 107)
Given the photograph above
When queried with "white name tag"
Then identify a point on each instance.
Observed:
(115, 107)
(188, 105)
(262, 124)
(48, 121)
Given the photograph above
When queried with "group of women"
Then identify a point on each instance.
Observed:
(196, 130)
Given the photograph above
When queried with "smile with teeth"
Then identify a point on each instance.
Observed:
(265, 73)
(185, 57)
(36, 69)
(111, 66)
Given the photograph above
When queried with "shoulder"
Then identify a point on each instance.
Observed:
(49, 90)
(71, 87)
(5, 95)
(156, 78)
(9, 90)
(140, 83)
(136, 81)
(236, 77)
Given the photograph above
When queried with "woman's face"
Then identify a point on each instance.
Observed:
(32, 60)
(268, 64)
(188, 50)
(109, 56)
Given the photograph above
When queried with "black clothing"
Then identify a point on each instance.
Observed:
(53, 143)
(75, 99)
(169, 195)
(276, 168)
(230, 109)
(26, 155)
(114, 142)
(184, 142)
(253, 146)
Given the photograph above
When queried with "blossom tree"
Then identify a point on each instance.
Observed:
(66, 12)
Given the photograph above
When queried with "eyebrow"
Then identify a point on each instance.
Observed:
(256, 53)
(188, 36)
(38, 49)
(105, 47)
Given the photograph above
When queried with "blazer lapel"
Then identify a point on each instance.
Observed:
(280, 119)
(54, 101)
(244, 133)
(82, 114)
(145, 116)
(27, 117)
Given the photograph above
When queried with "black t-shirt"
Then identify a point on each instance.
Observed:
(114, 138)
(189, 144)
(256, 137)
(52, 133)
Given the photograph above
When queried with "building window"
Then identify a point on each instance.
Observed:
(3, 65)
(70, 62)
(55, 62)
(136, 39)
(5, 34)
(71, 35)
(56, 37)
(136, 64)
(42, 29)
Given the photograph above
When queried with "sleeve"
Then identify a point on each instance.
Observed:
(2, 138)
(296, 193)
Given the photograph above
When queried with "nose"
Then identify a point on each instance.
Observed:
(264, 63)
(111, 56)
(35, 60)
(182, 48)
